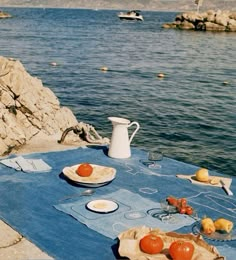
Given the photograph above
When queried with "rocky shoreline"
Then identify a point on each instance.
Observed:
(4, 15)
(221, 21)
(31, 117)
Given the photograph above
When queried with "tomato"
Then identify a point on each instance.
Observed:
(189, 210)
(84, 169)
(182, 210)
(151, 244)
(181, 205)
(181, 250)
(172, 201)
(183, 202)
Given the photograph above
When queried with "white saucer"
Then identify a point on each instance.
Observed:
(102, 206)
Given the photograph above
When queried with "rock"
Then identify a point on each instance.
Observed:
(185, 25)
(169, 25)
(232, 15)
(222, 19)
(232, 22)
(232, 28)
(214, 27)
(210, 18)
(201, 26)
(4, 15)
(207, 21)
(210, 12)
(28, 109)
(192, 17)
(179, 18)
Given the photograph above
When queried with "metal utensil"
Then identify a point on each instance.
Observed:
(227, 190)
(88, 192)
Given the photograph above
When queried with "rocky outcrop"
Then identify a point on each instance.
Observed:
(28, 109)
(4, 15)
(207, 21)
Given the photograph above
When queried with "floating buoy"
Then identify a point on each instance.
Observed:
(161, 75)
(53, 64)
(104, 68)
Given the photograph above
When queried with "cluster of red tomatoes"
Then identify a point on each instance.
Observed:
(181, 205)
(178, 250)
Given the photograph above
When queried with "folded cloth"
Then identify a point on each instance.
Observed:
(215, 183)
(134, 210)
(130, 239)
(27, 165)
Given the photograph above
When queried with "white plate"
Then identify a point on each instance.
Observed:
(100, 176)
(102, 206)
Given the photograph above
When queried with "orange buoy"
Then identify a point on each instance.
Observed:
(53, 63)
(161, 75)
(104, 68)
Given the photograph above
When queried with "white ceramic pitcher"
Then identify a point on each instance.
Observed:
(120, 141)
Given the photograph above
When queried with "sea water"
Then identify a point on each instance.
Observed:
(189, 114)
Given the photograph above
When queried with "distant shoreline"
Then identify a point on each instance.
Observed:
(108, 9)
(94, 9)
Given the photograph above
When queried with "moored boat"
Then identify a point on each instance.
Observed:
(131, 15)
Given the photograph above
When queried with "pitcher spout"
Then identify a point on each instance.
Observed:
(119, 120)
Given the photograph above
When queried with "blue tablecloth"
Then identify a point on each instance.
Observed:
(133, 210)
(27, 200)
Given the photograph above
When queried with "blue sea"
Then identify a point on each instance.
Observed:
(189, 115)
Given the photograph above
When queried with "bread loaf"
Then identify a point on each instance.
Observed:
(222, 224)
(208, 226)
(202, 175)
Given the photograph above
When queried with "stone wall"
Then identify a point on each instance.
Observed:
(207, 21)
(27, 108)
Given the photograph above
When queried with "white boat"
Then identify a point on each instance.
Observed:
(131, 15)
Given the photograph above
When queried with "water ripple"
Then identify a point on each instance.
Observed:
(189, 114)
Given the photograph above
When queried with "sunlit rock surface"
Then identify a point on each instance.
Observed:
(4, 15)
(207, 21)
(27, 108)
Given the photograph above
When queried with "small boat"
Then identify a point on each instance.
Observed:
(131, 15)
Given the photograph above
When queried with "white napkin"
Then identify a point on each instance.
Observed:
(26, 165)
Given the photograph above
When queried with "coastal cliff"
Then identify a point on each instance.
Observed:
(206, 21)
(30, 112)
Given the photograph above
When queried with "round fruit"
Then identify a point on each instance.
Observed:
(202, 175)
(181, 250)
(172, 201)
(84, 169)
(208, 226)
(189, 210)
(182, 210)
(151, 244)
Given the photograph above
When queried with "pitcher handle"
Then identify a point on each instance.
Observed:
(135, 131)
